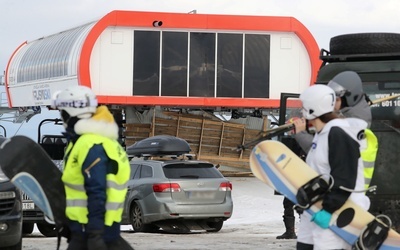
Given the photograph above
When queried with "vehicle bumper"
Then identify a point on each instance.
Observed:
(176, 211)
(13, 234)
(11, 222)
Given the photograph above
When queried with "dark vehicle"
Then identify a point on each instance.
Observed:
(10, 214)
(174, 193)
(376, 58)
(54, 145)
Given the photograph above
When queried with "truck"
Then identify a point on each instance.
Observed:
(376, 58)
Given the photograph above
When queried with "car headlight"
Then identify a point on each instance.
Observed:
(3, 177)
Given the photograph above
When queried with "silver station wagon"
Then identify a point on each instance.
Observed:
(174, 193)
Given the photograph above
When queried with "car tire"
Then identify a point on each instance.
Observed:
(365, 43)
(27, 227)
(47, 229)
(136, 217)
(216, 225)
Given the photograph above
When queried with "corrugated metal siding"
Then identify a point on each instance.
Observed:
(50, 57)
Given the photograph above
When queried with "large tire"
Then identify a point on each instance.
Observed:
(48, 230)
(215, 225)
(136, 217)
(365, 43)
(27, 227)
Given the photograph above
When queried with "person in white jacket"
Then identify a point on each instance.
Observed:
(334, 154)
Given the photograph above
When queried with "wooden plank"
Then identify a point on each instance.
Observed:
(201, 140)
(130, 126)
(221, 139)
(177, 126)
(164, 131)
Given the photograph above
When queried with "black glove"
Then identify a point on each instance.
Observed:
(95, 241)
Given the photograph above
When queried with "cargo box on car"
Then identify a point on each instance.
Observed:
(159, 145)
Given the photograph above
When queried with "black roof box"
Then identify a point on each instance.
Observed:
(159, 145)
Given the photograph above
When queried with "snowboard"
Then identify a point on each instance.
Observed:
(277, 166)
(31, 170)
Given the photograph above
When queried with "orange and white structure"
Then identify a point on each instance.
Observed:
(132, 58)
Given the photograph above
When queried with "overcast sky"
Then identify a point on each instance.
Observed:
(27, 20)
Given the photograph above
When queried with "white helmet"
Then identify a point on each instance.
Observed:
(317, 100)
(77, 101)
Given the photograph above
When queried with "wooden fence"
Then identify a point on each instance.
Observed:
(211, 140)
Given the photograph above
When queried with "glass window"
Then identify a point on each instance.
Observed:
(146, 172)
(229, 59)
(146, 65)
(191, 171)
(202, 64)
(134, 168)
(174, 64)
(256, 69)
(137, 173)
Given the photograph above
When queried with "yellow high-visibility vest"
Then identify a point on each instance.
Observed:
(73, 179)
(369, 156)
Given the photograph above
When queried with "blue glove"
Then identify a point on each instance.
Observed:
(322, 218)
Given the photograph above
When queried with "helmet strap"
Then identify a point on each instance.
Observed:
(68, 120)
(72, 121)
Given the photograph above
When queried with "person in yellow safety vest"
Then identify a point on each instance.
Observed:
(369, 156)
(96, 171)
(352, 102)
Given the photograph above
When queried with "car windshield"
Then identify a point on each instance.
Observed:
(191, 171)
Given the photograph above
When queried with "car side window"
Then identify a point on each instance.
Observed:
(146, 172)
(134, 170)
(137, 173)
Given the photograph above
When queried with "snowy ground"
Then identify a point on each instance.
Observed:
(255, 223)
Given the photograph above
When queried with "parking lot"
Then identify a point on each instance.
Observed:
(255, 223)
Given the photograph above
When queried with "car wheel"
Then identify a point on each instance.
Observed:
(215, 225)
(137, 219)
(27, 227)
(48, 230)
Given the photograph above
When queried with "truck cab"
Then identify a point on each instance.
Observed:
(376, 58)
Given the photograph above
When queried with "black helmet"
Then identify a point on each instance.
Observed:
(347, 85)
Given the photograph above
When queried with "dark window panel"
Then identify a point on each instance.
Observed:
(202, 64)
(147, 172)
(256, 70)
(146, 65)
(230, 59)
(174, 64)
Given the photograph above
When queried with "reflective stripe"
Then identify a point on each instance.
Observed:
(369, 164)
(114, 205)
(77, 203)
(368, 172)
(367, 182)
(75, 187)
(113, 184)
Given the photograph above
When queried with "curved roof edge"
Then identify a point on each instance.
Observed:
(197, 21)
(7, 67)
